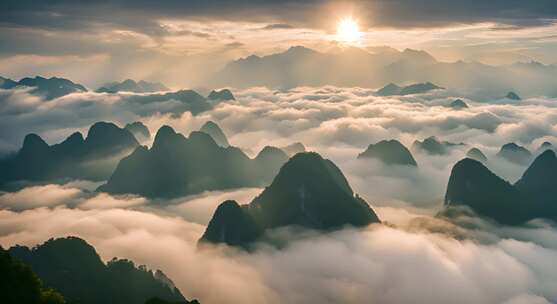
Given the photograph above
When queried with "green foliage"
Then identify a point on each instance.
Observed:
(19, 285)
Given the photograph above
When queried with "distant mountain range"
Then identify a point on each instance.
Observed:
(308, 191)
(50, 88)
(130, 85)
(176, 165)
(515, 154)
(417, 88)
(92, 158)
(534, 195)
(73, 268)
(301, 66)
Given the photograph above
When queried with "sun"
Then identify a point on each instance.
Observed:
(348, 30)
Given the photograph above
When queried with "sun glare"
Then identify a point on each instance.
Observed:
(348, 30)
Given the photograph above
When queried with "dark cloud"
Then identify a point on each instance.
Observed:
(277, 26)
(143, 15)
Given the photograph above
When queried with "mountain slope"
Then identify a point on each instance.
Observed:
(177, 165)
(92, 158)
(472, 184)
(216, 133)
(308, 191)
(73, 267)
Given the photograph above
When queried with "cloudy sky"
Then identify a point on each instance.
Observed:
(180, 42)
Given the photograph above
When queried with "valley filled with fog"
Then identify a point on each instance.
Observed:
(466, 258)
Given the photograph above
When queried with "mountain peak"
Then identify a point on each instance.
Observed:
(472, 184)
(164, 134)
(221, 95)
(213, 130)
(515, 153)
(513, 96)
(458, 104)
(391, 152)
(33, 142)
(476, 154)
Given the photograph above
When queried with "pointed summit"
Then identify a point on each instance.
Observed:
(216, 133)
(458, 104)
(539, 181)
(471, 184)
(390, 152)
(476, 154)
(308, 191)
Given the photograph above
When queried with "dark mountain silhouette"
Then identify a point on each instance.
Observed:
(472, 184)
(216, 133)
(539, 184)
(20, 285)
(188, 100)
(91, 158)
(391, 152)
(74, 268)
(221, 95)
(157, 300)
(177, 165)
(308, 191)
(515, 153)
(6, 83)
(139, 130)
(476, 154)
(458, 104)
(533, 196)
(417, 88)
(513, 96)
(50, 88)
(432, 145)
(294, 148)
(130, 85)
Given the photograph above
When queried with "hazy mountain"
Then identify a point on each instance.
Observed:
(308, 191)
(139, 130)
(216, 133)
(130, 85)
(458, 104)
(74, 268)
(391, 152)
(221, 95)
(434, 146)
(515, 153)
(299, 66)
(50, 88)
(471, 184)
(417, 88)
(93, 158)
(294, 148)
(6, 83)
(512, 96)
(172, 102)
(177, 165)
(19, 284)
(545, 146)
(533, 196)
(476, 154)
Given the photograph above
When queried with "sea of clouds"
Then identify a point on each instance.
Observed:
(413, 258)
